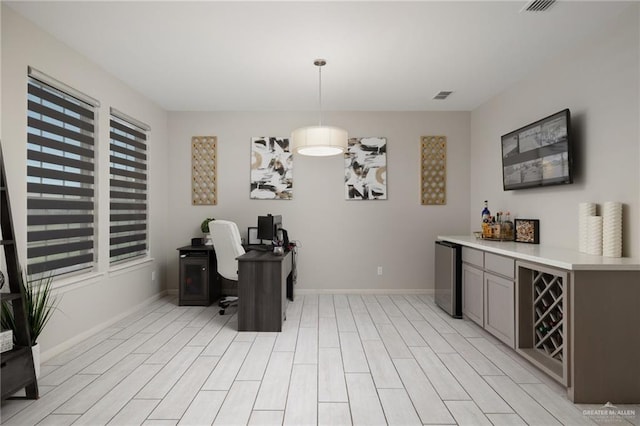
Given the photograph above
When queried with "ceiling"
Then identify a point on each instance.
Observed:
(258, 56)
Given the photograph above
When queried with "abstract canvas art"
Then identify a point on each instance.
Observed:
(271, 169)
(365, 173)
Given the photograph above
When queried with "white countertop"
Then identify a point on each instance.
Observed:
(552, 256)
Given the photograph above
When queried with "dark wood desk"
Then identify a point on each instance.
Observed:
(262, 290)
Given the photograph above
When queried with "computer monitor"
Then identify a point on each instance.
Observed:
(268, 227)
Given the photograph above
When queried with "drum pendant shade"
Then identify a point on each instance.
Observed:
(319, 141)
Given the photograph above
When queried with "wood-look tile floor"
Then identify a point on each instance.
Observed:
(340, 359)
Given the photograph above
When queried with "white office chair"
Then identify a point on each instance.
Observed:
(228, 246)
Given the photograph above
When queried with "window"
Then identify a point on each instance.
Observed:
(128, 184)
(60, 177)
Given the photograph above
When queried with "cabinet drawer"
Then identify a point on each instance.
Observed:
(499, 264)
(473, 256)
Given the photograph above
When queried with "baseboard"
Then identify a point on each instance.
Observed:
(303, 291)
(58, 349)
(174, 291)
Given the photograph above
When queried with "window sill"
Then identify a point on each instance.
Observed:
(130, 266)
(63, 285)
(77, 281)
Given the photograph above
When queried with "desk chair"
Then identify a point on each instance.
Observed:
(228, 246)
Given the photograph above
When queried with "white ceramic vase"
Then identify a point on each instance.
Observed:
(35, 350)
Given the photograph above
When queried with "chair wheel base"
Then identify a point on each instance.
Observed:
(225, 302)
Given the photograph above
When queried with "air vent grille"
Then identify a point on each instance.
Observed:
(444, 94)
(537, 5)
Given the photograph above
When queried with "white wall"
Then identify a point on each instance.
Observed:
(598, 82)
(342, 242)
(92, 300)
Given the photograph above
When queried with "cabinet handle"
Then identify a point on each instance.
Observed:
(204, 269)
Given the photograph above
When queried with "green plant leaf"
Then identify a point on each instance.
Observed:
(39, 306)
(7, 320)
(204, 226)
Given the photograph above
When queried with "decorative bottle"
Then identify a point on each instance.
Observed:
(486, 218)
(485, 212)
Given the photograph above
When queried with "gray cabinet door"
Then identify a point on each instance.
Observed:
(499, 308)
(472, 294)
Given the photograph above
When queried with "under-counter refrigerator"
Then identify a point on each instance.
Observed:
(448, 278)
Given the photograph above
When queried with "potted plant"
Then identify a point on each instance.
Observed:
(39, 306)
(204, 227)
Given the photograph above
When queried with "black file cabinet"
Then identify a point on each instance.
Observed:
(198, 276)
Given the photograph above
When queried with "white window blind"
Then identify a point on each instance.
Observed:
(128, 188)
(60, 178)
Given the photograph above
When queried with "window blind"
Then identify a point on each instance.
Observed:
(60, 180)
(128, 188)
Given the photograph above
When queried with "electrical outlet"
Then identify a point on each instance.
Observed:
(379, 270)
(153, 275)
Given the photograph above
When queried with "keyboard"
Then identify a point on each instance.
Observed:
(259, 247)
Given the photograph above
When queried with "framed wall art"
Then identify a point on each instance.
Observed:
(365, 169)
(203, 171)
(527, 231)
(433, 181)
(271, 169)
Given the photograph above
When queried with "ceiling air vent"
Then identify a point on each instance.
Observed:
(537, 5)
(444, 94)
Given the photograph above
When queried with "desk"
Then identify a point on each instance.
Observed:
(262, 290)
(291, 280)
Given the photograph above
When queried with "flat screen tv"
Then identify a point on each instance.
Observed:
(538, 154)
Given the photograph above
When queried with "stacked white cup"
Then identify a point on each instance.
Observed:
(612, 229)
(594, 231)
(585, 210)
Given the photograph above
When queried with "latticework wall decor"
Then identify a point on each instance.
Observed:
(203, 170)
(434, 170)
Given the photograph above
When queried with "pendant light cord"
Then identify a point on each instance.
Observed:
(320, 96)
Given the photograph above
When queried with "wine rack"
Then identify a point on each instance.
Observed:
(541, 318)
(548, 314)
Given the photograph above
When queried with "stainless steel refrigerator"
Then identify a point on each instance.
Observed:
(448, 278)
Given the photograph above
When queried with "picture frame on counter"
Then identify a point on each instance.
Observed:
(252, 235)
(527, 231)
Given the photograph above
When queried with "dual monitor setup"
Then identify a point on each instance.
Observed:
(268, 233)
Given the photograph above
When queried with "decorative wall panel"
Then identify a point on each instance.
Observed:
(434, 170)
(204, 189)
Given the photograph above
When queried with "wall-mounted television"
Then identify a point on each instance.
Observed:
(538, 154)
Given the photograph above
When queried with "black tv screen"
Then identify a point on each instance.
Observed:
(538, 154)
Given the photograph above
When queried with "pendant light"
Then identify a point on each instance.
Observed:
(319, 141)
